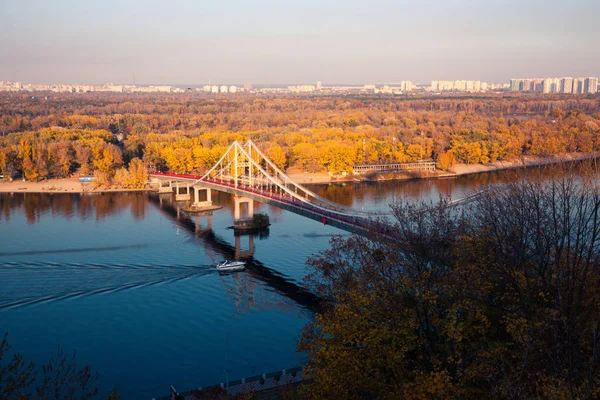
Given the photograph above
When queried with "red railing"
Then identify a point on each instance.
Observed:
(268, 194)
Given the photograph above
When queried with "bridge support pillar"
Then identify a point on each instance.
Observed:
(197, 202)
(238, 248)
(162, 188)
(182, 196)
(239, 200)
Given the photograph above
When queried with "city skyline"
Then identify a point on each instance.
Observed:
(269, 42)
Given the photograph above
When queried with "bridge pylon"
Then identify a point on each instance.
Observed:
(237, 214)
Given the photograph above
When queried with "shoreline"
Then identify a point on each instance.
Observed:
(72, 185)
(525, 162)
(64, 185)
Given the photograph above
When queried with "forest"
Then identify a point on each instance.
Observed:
(117, 137)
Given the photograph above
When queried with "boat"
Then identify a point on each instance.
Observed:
(226, 265)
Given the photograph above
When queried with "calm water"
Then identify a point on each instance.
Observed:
(132, 288)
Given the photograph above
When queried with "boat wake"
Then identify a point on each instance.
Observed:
(35, 283)
(66, 251)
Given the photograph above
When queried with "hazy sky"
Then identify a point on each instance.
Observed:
(297, 41)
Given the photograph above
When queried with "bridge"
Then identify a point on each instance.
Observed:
(249, 175)
(417, 166)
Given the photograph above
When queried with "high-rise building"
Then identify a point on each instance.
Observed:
(435, 85)
(555, 85)
(591, 85)
(566, 85)
(445, 85)
(406, 86)
(547, 86)
(578, 85)
(319, 85)
(516, 85)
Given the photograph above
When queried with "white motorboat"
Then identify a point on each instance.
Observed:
(231, 265)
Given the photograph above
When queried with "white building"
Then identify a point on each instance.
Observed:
(591, 85)
(566, 85)
(406, 86)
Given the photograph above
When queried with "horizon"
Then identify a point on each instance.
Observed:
(277, 85)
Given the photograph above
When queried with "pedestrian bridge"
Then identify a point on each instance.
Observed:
(249, 175)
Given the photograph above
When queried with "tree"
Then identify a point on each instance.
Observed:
(500, 300)
(134, 178)
(16, 375)
(83, 157)
(446, 161)
(61, 378)
(276, 154)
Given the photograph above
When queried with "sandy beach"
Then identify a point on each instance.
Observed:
(526, 161)
(72, 185)
(67, 185)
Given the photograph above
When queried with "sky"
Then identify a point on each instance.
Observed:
(296, 41)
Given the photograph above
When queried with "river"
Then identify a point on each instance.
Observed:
(132, 288)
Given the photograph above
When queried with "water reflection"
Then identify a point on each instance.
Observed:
(358, 193)
(219, 248)
(98, 206)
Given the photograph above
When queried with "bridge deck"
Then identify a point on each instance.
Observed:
(341, 220)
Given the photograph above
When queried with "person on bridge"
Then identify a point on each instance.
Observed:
(324, 221)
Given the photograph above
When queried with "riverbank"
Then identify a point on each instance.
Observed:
(526, 161)
(458, 170)
(72, 185)
(66, 185)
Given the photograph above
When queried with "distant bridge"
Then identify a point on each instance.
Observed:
(417, 166)
(248, 174)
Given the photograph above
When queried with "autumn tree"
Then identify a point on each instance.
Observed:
(276, 154)
(497, 300)
(446, 161)
(135, 177)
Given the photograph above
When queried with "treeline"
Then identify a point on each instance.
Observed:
(63, 134)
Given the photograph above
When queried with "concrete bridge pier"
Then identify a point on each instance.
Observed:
(162, 188)
(205, 203)
(182, 196)
(239, 200)
(239, 253)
